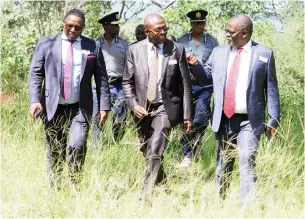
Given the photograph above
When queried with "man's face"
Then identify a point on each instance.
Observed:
(198, 26)
(112, 29)
(234, 35)
(140, 34)
(73, 27)
(157, 31)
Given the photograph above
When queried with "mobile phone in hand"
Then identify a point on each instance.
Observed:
(37, 113)
(268, 134)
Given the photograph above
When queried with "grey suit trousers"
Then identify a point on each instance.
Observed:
(153, 131)
(236, 136)
(67, 119)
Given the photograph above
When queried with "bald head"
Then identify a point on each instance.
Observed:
(152, 19)
(244, 23)
(155, 28)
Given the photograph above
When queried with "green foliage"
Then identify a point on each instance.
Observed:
(94, 11)
(219, 14)
(25, 22)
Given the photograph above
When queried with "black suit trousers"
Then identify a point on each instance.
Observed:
(153, 131)
(67, 120)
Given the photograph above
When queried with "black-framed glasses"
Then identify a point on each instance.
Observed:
(197, 22)
(70, 27)
(159, 29)
(231, 32)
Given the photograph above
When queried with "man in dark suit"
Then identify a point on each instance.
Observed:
(60, 86)
(156, 85)
(244, 81)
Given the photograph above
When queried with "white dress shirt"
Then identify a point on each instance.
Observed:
(242, 80)
(76, 69)
(150, 53)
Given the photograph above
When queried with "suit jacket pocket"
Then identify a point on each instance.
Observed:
(91, 57)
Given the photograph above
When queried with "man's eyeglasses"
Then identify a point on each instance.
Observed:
(197, 22)
(70, 27)
(231, 32)
(159, 29)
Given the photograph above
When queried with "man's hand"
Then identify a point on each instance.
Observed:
(34, 107)
(103, 114)
(139, 111)
(192, 60)
(187, 125)
(271, 131)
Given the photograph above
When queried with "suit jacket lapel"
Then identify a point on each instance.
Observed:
(57, 51)
(225, 67)
(84, 57)
(144, 59)
(253, 61)
(167, 51)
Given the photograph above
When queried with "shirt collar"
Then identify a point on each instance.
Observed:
(203, 38)
(246, 48)
(64, 37)
(150, 45)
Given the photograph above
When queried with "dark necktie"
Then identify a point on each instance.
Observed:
(153, 75)
(67, 81)
(229, 101)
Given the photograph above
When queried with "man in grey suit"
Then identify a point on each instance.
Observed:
(156, 85)
(60, 86)
(244, 81)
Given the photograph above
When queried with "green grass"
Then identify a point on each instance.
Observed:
(113, 176)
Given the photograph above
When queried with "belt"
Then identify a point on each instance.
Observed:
(153, 105)
(235, 115)
(68, 105)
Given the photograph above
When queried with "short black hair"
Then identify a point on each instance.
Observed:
(77, 13)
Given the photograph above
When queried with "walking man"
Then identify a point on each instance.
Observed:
(200, 44)
(244, 81)
(114, 49)
(60, 86)
(157, 89)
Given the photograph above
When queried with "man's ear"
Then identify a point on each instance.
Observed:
(146, 31)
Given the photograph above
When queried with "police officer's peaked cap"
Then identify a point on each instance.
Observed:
(112, 18)
(197, 15)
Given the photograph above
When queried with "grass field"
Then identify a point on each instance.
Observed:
(113, 176)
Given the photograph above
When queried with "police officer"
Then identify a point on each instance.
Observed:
(114, 50)
(199, 44)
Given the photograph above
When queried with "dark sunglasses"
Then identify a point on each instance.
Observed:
(198, 22)
(70, 27)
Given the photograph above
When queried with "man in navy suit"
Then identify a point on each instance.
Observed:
(244, 81)
(60, 86)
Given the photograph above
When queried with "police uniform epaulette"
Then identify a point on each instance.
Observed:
(184, 35)
(120, 38)
(211, 36)
(101, 40)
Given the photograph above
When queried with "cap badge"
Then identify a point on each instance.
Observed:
(198, 15)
